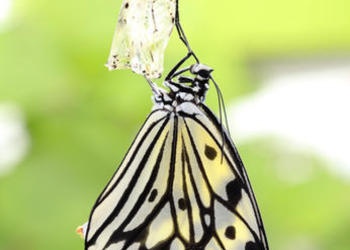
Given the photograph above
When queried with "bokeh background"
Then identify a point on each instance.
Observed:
(66, 121)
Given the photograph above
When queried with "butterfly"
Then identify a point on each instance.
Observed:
(141, 36)
(182, 184)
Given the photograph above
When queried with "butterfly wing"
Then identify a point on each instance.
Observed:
(217, 169)
(177, 188)
(110, 224)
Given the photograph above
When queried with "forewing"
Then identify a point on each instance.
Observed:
(218, 170)
(121, 216)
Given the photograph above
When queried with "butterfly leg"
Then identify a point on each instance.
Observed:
(173, 72)
(181, 32)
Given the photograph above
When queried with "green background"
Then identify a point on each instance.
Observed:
(82, 118)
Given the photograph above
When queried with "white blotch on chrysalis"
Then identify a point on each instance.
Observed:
(141, 36)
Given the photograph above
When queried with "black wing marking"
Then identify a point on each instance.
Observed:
(174, 191)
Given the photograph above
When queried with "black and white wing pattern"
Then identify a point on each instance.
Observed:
(182, 184)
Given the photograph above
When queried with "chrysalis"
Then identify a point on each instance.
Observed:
(141, 36)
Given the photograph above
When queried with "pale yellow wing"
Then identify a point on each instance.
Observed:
(224, 211)
(110, 224)
(178, 188)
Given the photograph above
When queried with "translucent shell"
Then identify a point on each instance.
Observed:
(141, 36)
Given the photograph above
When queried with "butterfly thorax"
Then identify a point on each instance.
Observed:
(184, 89)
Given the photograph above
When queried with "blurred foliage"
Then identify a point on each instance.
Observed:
(82, 118)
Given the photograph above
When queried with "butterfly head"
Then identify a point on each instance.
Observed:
(190, 87)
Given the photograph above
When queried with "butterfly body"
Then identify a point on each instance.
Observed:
(182, 184)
